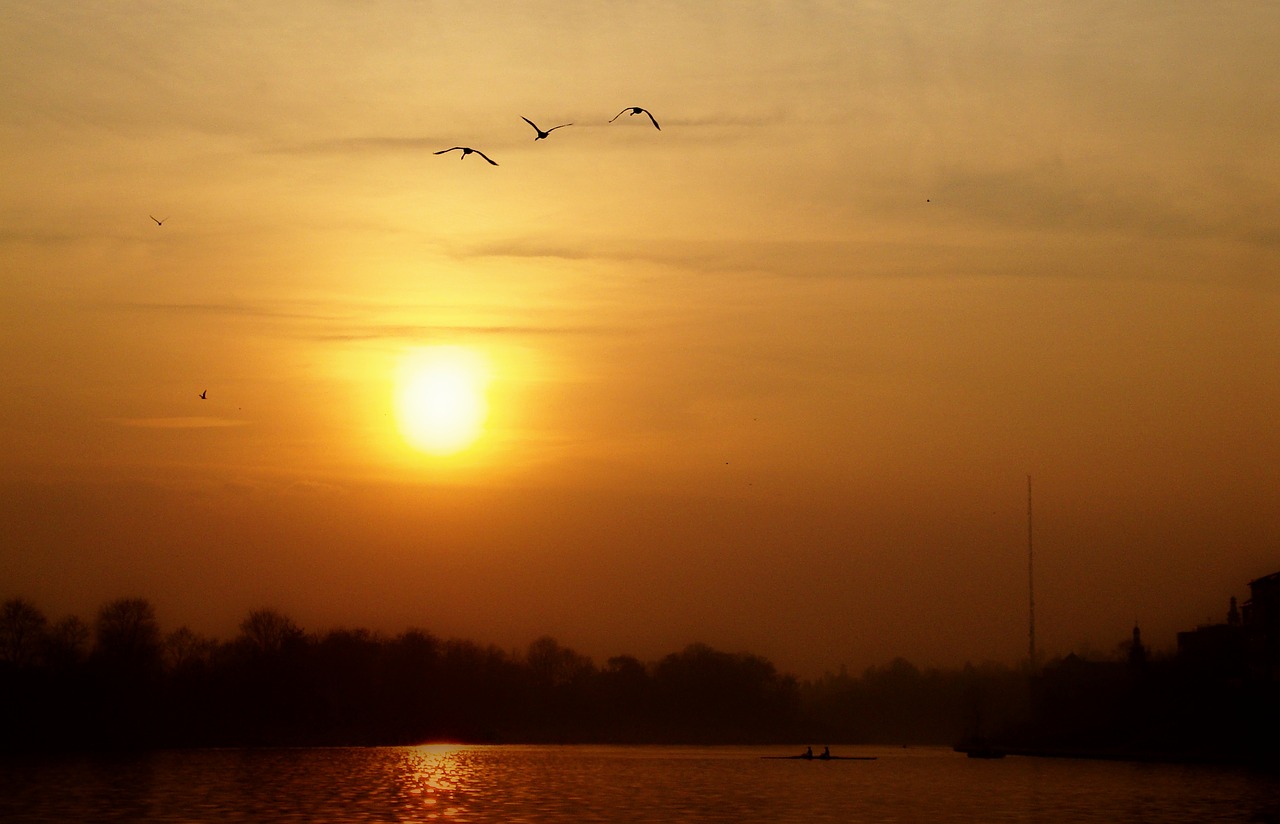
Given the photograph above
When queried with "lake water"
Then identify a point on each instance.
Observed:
(619, 784)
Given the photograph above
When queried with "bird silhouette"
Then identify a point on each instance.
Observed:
(158, 221)
(204, 396)
(466, 150)
(637, 110)
(541, 133)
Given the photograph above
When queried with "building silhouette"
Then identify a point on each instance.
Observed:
(1246, 647)
(1261, 622)
(1217, 699)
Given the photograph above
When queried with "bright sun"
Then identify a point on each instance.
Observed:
(440, 398)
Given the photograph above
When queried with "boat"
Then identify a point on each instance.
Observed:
(826, 756)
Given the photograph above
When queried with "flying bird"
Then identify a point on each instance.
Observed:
(466, 150)
(541, 133)
(158, 221)
(637, 110)
(204, 396)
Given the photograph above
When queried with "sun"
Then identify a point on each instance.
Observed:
(440, 402)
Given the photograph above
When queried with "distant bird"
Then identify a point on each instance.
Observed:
(541, 133)
(204, 396)
(637, 110)
(158, 221)
(466, 150)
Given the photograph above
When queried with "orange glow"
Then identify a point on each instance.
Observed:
(762, 366)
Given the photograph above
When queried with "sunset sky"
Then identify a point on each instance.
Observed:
(771, 377)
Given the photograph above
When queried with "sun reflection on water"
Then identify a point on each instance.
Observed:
(439, 775)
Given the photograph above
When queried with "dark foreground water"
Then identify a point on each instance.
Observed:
(619, 784)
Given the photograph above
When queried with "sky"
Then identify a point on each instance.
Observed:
(772, 377)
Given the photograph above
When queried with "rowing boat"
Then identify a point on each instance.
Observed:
(819, 757)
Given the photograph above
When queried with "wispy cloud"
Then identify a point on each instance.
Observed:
(1054, 196)
(529, 248)
(377, 331)
(316, 321)
(673, 123)
(298, 310)
(771, 118)
(312, 488)
(820, 258)
(39, 237)
(189, 422)
(357, 145)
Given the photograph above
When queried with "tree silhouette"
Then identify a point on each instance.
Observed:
(127, 668)
(272, 692)
(558, 696)
(553, 665)
(625, 695)
(267, 633)
(21, 632)
(127, 636)
(274, 684)
(412, 686)
(66, 643)
(186, 651)
(716, 696)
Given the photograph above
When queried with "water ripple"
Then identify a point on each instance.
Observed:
(630, 785)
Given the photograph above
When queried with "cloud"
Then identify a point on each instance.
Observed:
(187, 422)
(526, 248)
(1084, 200)
(398, 144)
(816, 258)
(356, 323)
(310, 488)
(39, 237)
(378, 331)
(301, 311)
(776, 117)
(358, 145)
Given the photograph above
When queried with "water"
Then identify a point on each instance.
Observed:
(618, 784)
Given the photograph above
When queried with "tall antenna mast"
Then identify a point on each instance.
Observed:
(1031, 584)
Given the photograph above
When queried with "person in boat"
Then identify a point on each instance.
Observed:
(808, 752)
(826, 753)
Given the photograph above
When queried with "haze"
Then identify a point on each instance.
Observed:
(771, 378)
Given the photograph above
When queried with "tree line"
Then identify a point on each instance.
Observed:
(124, 682)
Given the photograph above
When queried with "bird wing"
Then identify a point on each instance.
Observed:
(531, 123)
(443, 151)
(153, 217)
(619, 114)
(561, 126)
(655, 122)
(485, 156)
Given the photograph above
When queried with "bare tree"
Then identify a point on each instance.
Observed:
(21, 632)
(127, 634)
(185, 650)
(66, 643)
(554, 665)
(267, 632)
